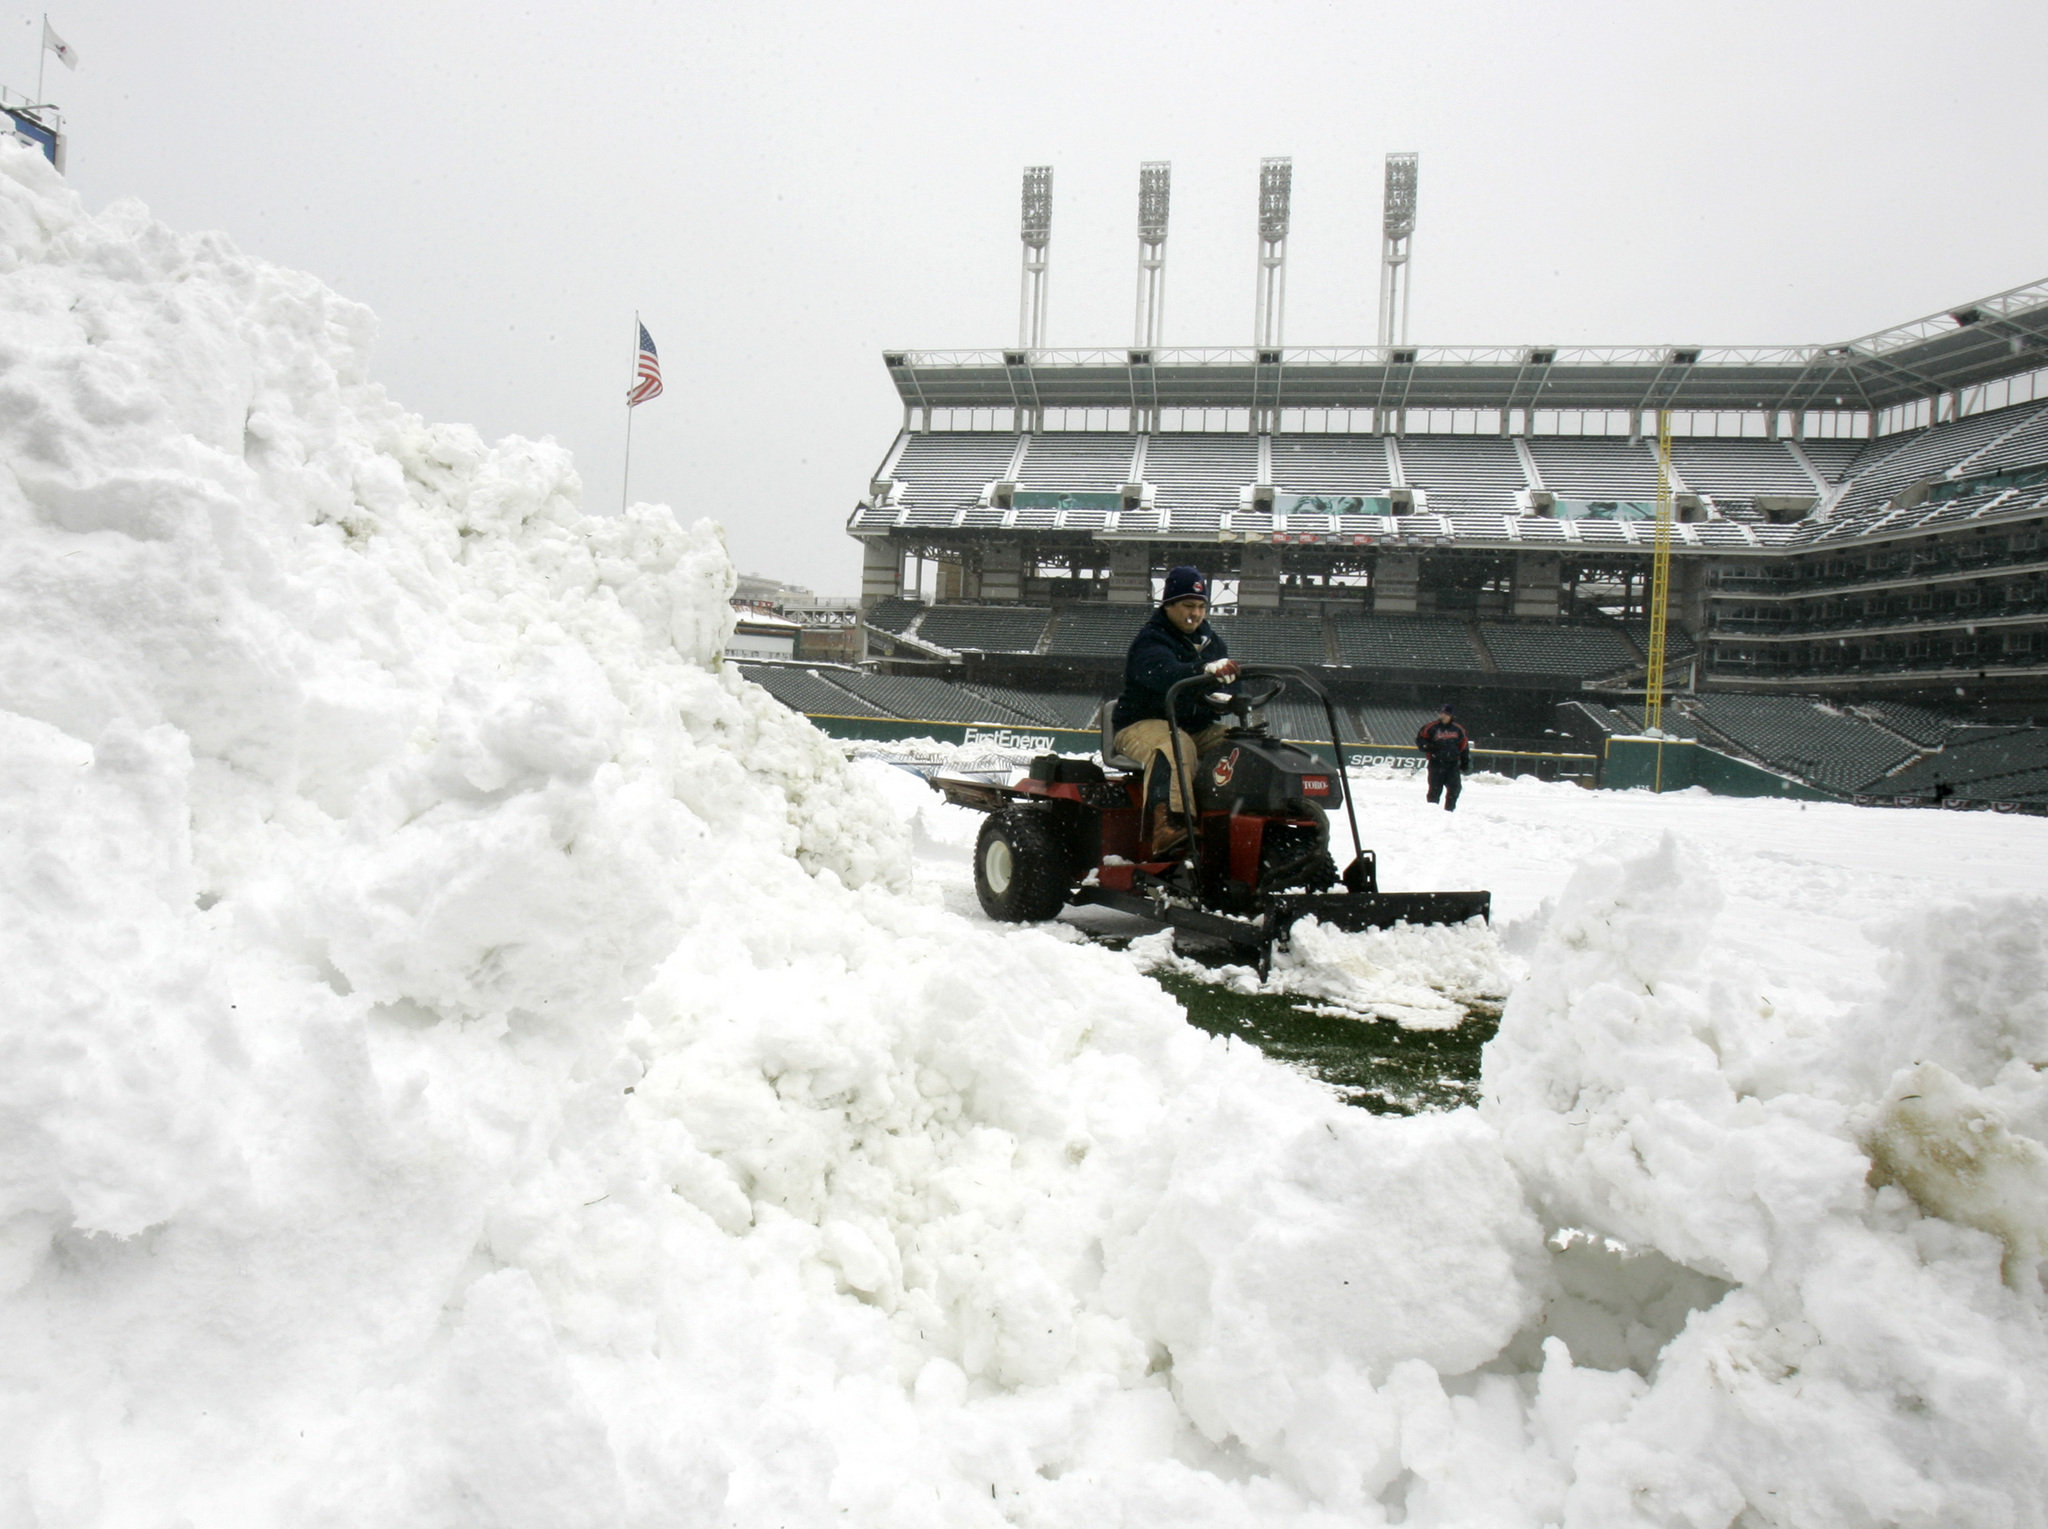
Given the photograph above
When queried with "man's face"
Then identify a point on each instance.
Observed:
(1444, 715)
(1189, 613)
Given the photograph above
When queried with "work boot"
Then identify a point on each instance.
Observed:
(1166, 831)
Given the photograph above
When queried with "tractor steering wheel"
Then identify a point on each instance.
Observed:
(1250, 696)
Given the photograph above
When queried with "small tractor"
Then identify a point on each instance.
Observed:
(1256, 858)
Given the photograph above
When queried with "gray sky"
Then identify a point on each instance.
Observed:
(785, 190)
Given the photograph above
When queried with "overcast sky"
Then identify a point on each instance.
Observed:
(785, 190)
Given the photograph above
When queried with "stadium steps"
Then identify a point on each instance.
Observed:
(1488, 664)
(1676, 723)
(924, 698)
(1831, 458)
(1584, 717)
(1877, 720)
(920, 647)
(1915, 724)
(1626, 720)
(1800, 736)
(1049, 708)
(809, 690)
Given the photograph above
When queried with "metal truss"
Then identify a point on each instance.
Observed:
(1932, 358)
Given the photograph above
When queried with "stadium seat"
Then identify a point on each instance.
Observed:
(1405, 642)
(1804, 737)
(984, 628)
(1464, 474)
(1575, 652)
(1596, 467)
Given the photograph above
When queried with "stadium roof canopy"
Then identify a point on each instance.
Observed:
(1960, 348)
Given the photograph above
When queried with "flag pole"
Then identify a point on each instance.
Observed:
(42, 57)
(626, 478)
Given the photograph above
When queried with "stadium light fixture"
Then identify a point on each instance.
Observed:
(1037, 222)
(1036, 233)
(1397, 233)
(1155, 190)
(1276, 199)
(1155, 187)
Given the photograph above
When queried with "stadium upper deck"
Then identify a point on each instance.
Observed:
(1877, 517)
(1548, 491)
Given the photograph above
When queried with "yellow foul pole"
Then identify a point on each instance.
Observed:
(1660, 594)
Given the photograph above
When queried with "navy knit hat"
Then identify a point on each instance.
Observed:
(1183, 582)
(1445, 710)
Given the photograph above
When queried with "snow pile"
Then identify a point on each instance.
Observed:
(1874, 1364)
(470, 1060)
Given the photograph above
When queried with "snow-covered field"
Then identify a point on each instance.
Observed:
(1806, 892)
(466, 1060)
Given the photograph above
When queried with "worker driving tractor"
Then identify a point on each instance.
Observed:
(1175, 644)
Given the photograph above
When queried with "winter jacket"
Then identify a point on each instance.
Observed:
(1161, 655)
(1446, 744)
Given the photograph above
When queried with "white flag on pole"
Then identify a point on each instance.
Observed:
(66, 54)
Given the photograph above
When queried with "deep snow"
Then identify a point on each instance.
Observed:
(468, 1060)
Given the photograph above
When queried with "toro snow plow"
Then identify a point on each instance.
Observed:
(1256, 859)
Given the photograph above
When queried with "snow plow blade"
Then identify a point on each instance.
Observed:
(1376, 910)
(1342, 910)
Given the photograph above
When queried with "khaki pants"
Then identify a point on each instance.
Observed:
(1150, 742)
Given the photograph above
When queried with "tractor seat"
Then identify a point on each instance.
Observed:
(1106, 719)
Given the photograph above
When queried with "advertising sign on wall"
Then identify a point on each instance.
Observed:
(1065, 499)
(1333, 504)
(1604, 509)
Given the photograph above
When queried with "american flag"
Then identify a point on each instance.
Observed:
(647, 374)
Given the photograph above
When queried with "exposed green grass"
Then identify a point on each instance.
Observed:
(1374, 1063)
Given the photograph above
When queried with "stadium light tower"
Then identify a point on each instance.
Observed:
(1037, 235)
(1396, 232)
(1276, 196)
(1155, 178)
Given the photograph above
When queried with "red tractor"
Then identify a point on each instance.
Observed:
(1256, 859)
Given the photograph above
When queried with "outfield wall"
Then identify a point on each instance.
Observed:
(1625, 764)
(1072, 740)
(1673, 764)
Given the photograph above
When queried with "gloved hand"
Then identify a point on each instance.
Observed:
(1224, 669)
(1465, 768)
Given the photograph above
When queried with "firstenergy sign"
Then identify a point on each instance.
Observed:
(1003, 738)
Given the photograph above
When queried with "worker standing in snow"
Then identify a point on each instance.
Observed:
(1174, 645)
(1448, 748)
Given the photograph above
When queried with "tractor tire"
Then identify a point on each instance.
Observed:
(1020, 867)
(1316, 873)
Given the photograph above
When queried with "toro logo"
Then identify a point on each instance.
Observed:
(1315, 785)
(1225, 768)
